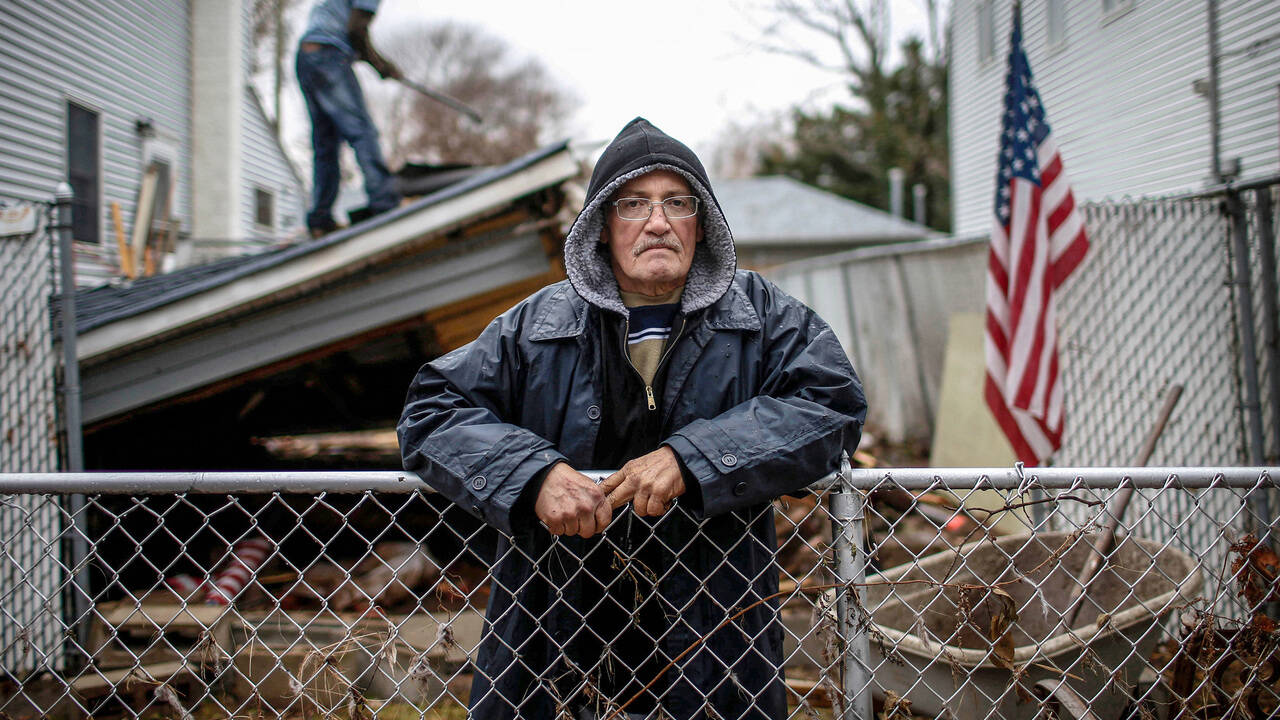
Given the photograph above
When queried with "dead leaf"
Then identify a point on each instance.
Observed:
(1003, 617)
(895, 708)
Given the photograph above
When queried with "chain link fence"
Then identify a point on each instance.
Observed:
(27, 363)
(1154, 305)
(1160, 305)
(29, 441)
(359, 595)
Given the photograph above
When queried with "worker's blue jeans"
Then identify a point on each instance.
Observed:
(336, 105)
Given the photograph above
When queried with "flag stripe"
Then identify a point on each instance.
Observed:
(1037, 240)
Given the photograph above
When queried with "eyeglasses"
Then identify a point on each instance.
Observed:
(680, 206)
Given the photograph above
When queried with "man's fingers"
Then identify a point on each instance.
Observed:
(603, 516)
(640, 502)
(608, 484)
(622, 492)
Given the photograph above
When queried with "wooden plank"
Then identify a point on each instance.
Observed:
(814, 693)
(142, 213)
(99, 682)
(126, 253)
(459, 323)
(168, 615)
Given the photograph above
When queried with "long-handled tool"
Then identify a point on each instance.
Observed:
(1115, 511)
(442, 98)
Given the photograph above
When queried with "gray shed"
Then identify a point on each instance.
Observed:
(777, 219)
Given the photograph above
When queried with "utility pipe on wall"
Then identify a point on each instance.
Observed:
(1215, 133)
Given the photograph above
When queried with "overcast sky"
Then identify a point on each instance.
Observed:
(588, 44)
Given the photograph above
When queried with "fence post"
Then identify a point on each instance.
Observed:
(1270, 311)
(848, 508)
(75, 506)
(1248, 348)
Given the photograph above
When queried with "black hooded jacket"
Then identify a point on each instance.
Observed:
(755, 397)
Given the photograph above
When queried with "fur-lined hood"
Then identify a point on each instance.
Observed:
(639, 149)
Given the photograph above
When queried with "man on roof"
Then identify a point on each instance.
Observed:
(337, 35)
(709, 389)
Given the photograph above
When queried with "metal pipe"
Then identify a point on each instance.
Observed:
(70, 363)
(896, 178)
(1270, 309)
(847, 517)
(258, 483)
(1248, 341)
(1067, 477)
(78, 546)
(1215, 130)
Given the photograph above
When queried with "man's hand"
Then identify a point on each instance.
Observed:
(358, 34)
(570, 503)
(650, 482)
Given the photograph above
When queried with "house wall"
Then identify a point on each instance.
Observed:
(226, 211)
(1120, 97)
(128, 61)
(265, 164)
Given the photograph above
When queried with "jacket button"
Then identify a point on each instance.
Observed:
(729, 459)
(478, 482)
(593, 412)
(739, 488)
(479, 512)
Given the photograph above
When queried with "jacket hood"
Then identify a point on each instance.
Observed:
(639, 149)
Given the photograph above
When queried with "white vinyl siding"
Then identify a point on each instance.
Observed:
(264, 164)
(1249, 74)
(1119, 97)
(266, 167)
(125, 60)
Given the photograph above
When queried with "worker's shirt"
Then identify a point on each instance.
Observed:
(327, 23)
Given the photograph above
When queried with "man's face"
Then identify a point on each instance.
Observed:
(651, 257)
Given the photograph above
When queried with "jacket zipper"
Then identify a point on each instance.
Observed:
(648, 389)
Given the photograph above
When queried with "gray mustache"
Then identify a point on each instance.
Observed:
(670, 243)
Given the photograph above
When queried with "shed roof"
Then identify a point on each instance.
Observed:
(113, 317)
(106, 304)
(777, 209)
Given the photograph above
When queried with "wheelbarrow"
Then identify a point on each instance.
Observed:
(932, 624)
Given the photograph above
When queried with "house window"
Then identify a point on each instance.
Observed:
(986, 31)
(264, 207)
(1056, 11)
(84, 172)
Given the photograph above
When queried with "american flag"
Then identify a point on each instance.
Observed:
(1037, 239)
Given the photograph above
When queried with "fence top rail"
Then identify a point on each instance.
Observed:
(250, 482)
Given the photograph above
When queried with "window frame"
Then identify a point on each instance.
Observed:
(986, 26)
(95, 200)
(260, 192)
(1055, 19)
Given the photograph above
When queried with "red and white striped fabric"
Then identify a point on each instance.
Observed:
(1037, 240)
(184, 586)
(246, 558)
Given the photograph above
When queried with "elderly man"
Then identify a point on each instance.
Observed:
(711, 390)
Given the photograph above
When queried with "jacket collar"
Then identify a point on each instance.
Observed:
(564, 315)
(733, 311)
